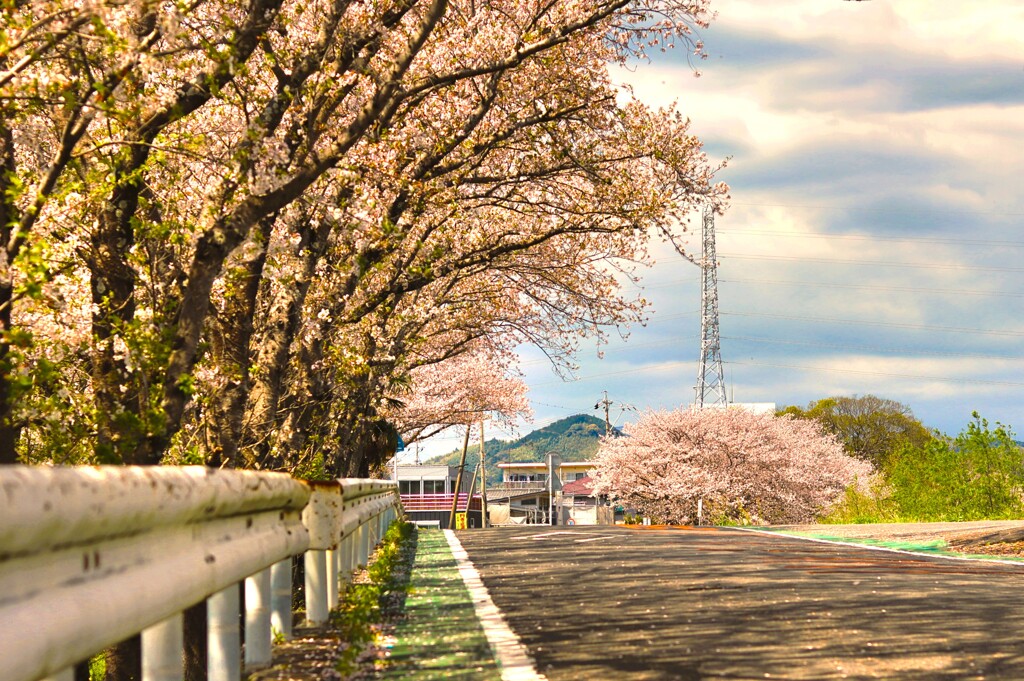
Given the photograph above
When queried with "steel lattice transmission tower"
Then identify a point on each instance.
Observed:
(710, 379)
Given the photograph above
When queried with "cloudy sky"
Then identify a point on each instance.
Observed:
(875, 238)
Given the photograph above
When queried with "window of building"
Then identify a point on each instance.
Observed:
(527, 502)
(409, 487)
(433, 486)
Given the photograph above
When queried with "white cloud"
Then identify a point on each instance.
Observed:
(875, 119)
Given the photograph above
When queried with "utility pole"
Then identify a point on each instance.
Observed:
(606, 403)
(710, 389)
(483, 478)
(458, 481)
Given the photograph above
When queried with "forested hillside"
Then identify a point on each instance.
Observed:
(574, 439)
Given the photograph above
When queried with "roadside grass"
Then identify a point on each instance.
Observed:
(439, 636)
(363, 613)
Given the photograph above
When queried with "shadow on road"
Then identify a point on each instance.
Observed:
(615, 603)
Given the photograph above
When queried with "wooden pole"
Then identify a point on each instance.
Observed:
(458, 480)
(472, 488)
(483, 477)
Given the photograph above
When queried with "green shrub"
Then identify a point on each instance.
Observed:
(868, 502)
(979, 475)
(358, 616)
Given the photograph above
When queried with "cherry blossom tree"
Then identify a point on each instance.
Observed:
(746, 467)
(459, 392)
(228, 222)
(281, 209)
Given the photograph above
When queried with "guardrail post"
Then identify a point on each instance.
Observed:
(257, 618)
(316, 586)
(348, 556)
(332, 579)
(162, 646)
(343, 551)
(224, 661)
(364, 545)
(281, 598)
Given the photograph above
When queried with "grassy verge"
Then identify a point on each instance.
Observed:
(439, 636)
(362, 616)
(936, 547)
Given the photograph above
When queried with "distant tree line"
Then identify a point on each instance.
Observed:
(921, 475)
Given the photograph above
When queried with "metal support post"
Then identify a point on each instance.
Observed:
(332, 579)
(364, 545)
(316, 586)
(281, 598)
(343, 560)
(224, 661)
(258, 638)
(339, 570)
(162, 646)
(352, 554)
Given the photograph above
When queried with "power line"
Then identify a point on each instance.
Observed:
(664, 366)
(946, 379)
(870, 348)
(881, 211)
(625, 347)
(881, 263)
(923, 327)
(879, 237)
(660, 366)
(867, 287)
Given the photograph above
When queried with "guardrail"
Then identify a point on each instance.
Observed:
(90, 556)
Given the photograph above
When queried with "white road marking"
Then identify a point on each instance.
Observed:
(581, 541)
(513, 658)
(919, 554)
(549, 534)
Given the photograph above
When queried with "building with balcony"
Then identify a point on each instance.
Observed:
(532, 493)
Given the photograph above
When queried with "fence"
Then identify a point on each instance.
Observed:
(90, 556)
(440, 502)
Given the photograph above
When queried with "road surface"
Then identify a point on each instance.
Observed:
(617, 603)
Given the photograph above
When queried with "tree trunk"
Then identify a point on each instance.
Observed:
(112, 283)
(124, 661)
(231, 335)
(275, 347)
(9, 430)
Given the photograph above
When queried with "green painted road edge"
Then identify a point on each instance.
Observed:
(440, 636)
(937, 548)
(513, 658)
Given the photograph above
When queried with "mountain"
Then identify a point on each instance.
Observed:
(574, 439)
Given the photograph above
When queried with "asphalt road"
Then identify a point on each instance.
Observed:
(617, 603)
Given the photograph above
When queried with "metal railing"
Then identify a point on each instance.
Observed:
(92, 555)
(440, 502)
(520, 485)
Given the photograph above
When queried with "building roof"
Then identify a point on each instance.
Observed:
(584, 487)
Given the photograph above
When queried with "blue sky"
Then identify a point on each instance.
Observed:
(875, 239)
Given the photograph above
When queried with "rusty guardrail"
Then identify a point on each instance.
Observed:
(92, 555)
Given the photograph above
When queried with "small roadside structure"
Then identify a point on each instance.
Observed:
(427, 493)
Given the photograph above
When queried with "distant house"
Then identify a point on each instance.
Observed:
(583, 506)
(527, 494)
